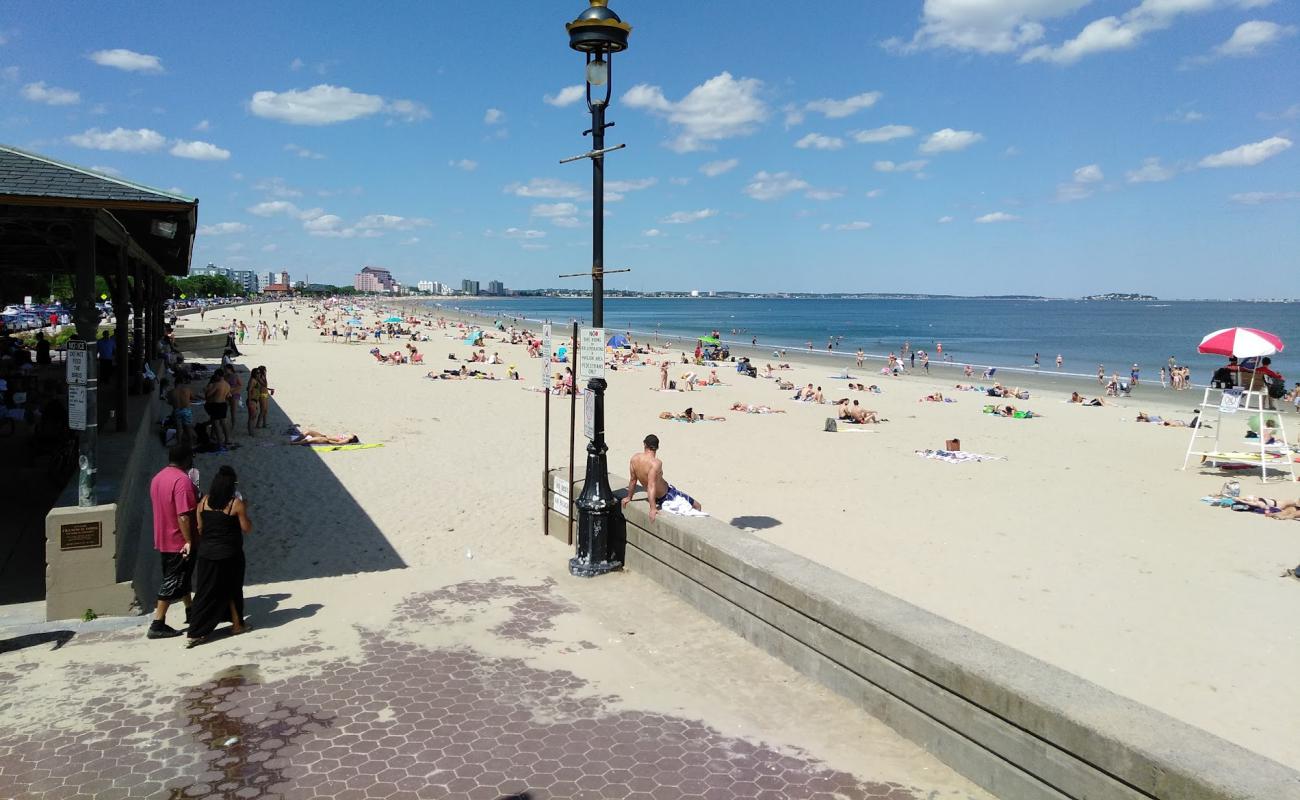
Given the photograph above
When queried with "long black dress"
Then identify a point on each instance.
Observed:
(218, 573)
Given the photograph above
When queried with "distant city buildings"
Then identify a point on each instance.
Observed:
(243, 278)
(430, 287)
(496, 288)
(374, 279)
(283, 278)
(469, 287)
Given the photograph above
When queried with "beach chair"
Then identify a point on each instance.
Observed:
(990, 372)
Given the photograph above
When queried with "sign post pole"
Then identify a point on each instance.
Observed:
(573, 415)
(546, 430)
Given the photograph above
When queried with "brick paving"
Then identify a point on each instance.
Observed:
(399, 720)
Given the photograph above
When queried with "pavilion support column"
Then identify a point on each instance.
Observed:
(138, 348)
(146, 313)
(121, 364)
(87, 321)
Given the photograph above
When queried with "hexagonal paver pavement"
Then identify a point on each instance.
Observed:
(405, 721)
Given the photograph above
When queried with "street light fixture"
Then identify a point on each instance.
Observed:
(598, 33)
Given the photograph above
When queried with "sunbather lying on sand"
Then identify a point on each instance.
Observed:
(749, 408)
(852, 412)
(689, 415)
(1075, 397)
(1287, 510)
(316, 437)
(1170, 423)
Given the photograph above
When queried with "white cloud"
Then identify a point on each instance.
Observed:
(520, 233)
(838, 109)
(121, 140)
(817, 141)
(566, 96)
(1291, 112)
(885, 133)
(493, 116)
(949, 140)
(1185, 115)
(621, 187)
(324, 225)
(296, 64)
(720, 108)
(874, 193)
(565, 222)
(825, 226)
(1260, 198)
(272, 208)
(1151, 171)
(546, 189)
(683, 217)
(989, 26)
(552, 210)
(390, 222)
(1069, 192)
(128, 60)
(324, 104)
(38, 92)
(107, 170)
(771, 185)
(200, 151)
(1128, 30)
(1089, 174)
(823, 194)
(410, 241)
(1248, 155)
(996, 216)
(466, 164)
(652, 233)
(276, 187)
(715, 168)
(944, 220)
(203, 126)
(302, 152)
(222, 228)
(856, 225)
(903, 166)
(1251, 36)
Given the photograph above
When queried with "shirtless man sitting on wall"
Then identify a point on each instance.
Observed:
(648, 471)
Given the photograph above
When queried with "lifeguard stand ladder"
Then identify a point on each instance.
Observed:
(1279, 455)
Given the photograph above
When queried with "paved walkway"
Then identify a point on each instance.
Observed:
(457, 682)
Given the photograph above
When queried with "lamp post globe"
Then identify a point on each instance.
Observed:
(598, 33)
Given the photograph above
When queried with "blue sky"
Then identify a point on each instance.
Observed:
(1058, 147)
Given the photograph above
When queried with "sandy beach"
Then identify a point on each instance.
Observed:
(1083, 545)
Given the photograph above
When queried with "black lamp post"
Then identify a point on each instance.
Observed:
(598, 33)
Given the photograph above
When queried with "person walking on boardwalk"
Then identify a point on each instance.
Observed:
(174, 498)
(219, 559)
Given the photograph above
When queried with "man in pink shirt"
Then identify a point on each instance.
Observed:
(174, 498)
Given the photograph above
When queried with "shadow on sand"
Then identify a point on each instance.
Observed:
(755, 523)
(306, 523)
(264, 610)
(60, 638)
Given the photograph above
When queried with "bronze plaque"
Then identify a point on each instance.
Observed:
(80, 536)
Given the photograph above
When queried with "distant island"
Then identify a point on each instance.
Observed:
(1124, 296)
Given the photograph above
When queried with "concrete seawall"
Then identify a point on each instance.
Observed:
(1017, 726)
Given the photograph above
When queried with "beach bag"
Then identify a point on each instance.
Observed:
(831, 425)
(672, 385)
(1230, 489)
(1276, 388)
(952, 445)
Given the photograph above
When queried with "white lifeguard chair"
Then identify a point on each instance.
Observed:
(1260, 454)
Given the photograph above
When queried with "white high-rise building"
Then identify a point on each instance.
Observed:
(425, 286)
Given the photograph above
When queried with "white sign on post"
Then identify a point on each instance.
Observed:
(589, 415)
(560, 486)
(546, 357)
(77, 362)
(591, 354)
(1230, 402)
(560, 504)
(77, 407)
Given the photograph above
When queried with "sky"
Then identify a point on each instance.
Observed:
(1055, 147)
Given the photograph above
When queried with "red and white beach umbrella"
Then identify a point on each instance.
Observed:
(1240, 342)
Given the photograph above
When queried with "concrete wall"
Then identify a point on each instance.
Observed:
(127, 462)
(1017, 726)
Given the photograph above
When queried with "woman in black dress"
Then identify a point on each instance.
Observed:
(219, 559)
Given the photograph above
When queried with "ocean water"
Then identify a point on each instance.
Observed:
(1002, 333)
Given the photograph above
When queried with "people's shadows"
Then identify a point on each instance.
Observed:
(518, 796)
(270, 470)
(60, 638)
(263, 611)
(755, 523)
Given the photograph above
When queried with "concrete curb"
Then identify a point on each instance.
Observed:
(1015, 725)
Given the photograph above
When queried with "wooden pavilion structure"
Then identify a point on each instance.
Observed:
(58, 218)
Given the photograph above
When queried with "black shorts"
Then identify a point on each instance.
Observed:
(176, 571)
(216, 410)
